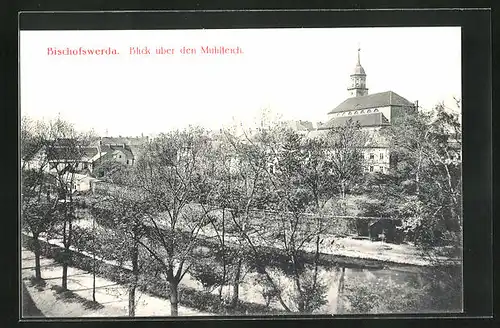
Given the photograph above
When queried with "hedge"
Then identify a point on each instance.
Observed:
(189, 297)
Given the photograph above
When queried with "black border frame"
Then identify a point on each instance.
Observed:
(476, 95)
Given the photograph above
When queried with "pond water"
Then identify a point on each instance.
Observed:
(251, 288)
(332, 278)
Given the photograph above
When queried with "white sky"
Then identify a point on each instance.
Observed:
(299, 73)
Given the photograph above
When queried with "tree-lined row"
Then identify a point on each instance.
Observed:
(275, 169)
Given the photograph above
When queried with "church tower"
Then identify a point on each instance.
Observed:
(357, 85)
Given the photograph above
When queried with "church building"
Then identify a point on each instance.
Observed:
(372, 112)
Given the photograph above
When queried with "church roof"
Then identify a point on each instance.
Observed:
(359, 70)
(365, 120)
(381, 99)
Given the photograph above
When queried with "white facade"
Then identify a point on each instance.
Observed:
(376, 159)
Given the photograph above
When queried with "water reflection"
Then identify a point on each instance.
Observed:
(334, 277)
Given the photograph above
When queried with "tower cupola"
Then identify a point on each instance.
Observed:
(357, 86)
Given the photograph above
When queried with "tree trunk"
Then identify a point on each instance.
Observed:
(131, 300)
(135, 278)
(300, 294)
(65, 272)
(342, 187)
(340, 307)
(64, 279)
(223, 282)
(93, 259)
(66, 260)
(37, 250)
(236, 284)
(93, 278)
(174, 298)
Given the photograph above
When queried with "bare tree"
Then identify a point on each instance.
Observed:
(282, 167)
(121, 210)
(216, 198)
(344, 149)
(38, 197)
(167, 175)
(64, 153)
(247, 185)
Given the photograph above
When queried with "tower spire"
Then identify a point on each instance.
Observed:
(359, 50)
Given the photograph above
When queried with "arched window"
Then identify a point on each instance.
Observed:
(350, 113)
(356, 112)
(363, 111)
(369, 111)
(375, 110)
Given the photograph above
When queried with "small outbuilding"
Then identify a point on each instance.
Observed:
(385, 230)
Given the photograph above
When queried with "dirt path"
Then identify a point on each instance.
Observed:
(29, 307)
(113, 298)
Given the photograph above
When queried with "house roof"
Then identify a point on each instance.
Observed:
(136, 150)
(307, 124)
(107, 149)
(364, 120)
(136, 141)
(381, 99)
(90, 152)
(70, 153)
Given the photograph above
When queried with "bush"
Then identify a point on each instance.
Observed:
(209, 275)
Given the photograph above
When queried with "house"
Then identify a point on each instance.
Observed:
(68, 155)
(65, 155)
(126, 150)
(78, 182)
(119, 153)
